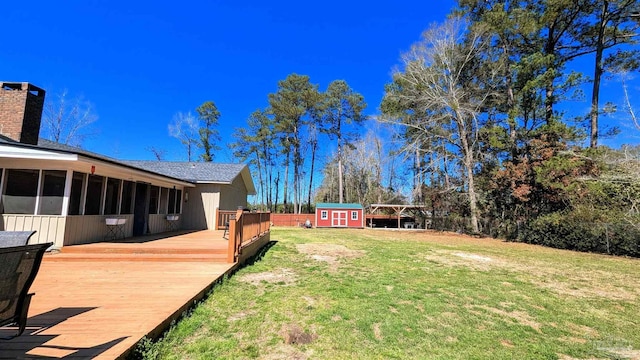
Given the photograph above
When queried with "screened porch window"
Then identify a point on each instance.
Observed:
(94, 195)
(111, 196)
(20, 192)
(127, 198)
(172, 202)
(164, 196)
(52, 192)
(153, 200)
(75, 200)
(179, 202)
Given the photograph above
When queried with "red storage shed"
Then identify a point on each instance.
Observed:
(339, 215)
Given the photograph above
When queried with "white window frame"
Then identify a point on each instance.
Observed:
(324, 214)
(354, 215)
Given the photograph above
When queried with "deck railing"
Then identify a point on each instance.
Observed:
(223, 217)
(246, 228)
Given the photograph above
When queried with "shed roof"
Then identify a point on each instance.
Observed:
(338, 206)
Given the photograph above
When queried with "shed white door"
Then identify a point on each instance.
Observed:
(339, 219)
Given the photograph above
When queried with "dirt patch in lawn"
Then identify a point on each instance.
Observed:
(329, 253)
(458, 258)
(295, 335)
(287, 352)
(573, 282)
(377, 333)
(282, 276)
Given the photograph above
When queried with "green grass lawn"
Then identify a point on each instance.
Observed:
(377, 294)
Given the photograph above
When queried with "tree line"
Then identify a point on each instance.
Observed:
(478, 99)
(283, 142)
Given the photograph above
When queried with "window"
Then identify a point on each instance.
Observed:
(354, 215)
(179, 202)
(164, 196)
(77, 185)
(52, 192)
(172, 201)
(94, 195)
(153, 200)
(127, 198)
(324, 215)
(21, 190)
(111, 197)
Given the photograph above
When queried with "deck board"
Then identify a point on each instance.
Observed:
(102, 305)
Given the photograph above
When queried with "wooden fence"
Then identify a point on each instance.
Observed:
(291, 219)
(248, 231)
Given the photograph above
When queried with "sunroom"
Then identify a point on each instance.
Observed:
(78, 197)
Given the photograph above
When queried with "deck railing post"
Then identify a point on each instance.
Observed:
(231, 246)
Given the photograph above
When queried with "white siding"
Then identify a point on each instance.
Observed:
(49, 228)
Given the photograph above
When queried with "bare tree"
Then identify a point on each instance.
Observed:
(439, 96)
(185, 129)
(158, 153)
(68, 121)
(627, 101)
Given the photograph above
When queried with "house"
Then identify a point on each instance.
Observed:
(339, 215)
(73, 196)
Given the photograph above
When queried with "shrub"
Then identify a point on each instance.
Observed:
(586, 230)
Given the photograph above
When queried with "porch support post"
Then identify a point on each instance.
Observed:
(36, 211)
(67, 193)
(231, 245)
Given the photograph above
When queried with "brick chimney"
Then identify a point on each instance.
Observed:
(21, 107)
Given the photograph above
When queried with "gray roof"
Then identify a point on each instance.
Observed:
(52, 145)
(203, 172)
(191, 171)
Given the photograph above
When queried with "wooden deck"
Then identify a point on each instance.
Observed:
(98, 300)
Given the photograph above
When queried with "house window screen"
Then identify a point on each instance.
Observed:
(127, 198)
(75, 200)
(172, 201)
(20, 192)
(164, 196)
(52, 192)
(111, 197)
(153, 200)
(94, 195)
(179, 202)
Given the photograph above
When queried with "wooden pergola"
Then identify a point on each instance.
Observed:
(398, 209)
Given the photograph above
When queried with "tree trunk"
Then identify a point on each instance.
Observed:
(340, 184)
(314, 146)
(286, 182)
(468, 162)
(597, 75)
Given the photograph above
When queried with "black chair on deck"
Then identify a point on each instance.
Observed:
(15, 238)
(226, 230)
(18, 269)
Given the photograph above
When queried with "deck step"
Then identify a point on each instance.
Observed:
(137, 250)
(118, 257)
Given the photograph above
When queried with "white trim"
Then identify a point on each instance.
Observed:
(8, 151)
(36, 211)
(68, 181)
(119, 205)
(324, 214)
(354, 212)
(83, 195)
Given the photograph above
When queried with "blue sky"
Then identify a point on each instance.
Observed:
(141, 62)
